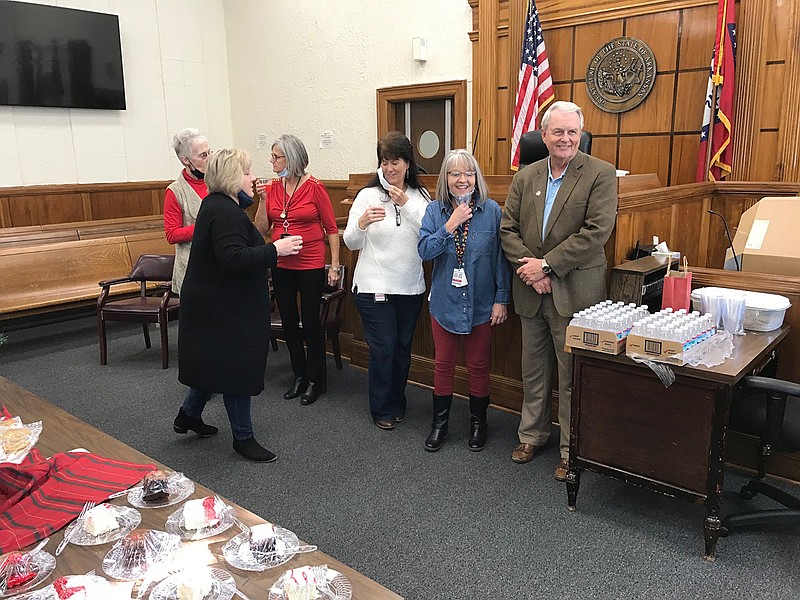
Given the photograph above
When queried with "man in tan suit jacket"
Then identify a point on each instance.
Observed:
(559, 213)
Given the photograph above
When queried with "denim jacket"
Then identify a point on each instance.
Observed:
(459, 309)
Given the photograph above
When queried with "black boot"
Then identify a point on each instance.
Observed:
(478, 426)
(184, 423)
(441, 415)
(312, 393)
(252, 450)
(297, 389)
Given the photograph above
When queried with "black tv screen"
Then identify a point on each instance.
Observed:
(51, 56)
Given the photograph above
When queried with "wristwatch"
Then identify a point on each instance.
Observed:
(546, 269)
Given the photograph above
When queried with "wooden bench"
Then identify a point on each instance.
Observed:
(60, 275)
(34, 235)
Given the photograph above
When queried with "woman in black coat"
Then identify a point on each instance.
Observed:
(224, 319)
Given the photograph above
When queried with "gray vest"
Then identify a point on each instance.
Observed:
(189, 202)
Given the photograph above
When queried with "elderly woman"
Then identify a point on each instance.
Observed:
(388, 282)
(183, 196)
(298, 204)
(470, 288)
(224, 321)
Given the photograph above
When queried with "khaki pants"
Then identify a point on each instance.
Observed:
(543, 337)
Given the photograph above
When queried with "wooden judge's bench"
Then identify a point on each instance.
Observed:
(679, 215)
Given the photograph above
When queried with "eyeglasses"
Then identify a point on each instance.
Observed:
(397, 215)
(274, 157)
(458, 174)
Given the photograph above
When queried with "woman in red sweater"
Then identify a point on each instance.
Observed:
(298, 204)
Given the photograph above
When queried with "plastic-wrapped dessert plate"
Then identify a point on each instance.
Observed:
(160, 489)
(201, 518)
(198, 583)
(134, 554)
(21, 572)
(263, 547)
(80, 531)
(318, 582)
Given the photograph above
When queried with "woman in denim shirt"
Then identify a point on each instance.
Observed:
(470, 288)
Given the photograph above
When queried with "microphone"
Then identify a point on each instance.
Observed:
(730, 240)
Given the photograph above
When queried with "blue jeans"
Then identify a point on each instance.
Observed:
(238, 408)
(389, 330)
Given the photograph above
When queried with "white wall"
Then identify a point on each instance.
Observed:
(307, 66)
(176, 76)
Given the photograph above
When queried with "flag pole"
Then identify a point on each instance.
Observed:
(714, 95)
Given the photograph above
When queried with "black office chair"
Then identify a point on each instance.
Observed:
(532, 148)
(770, 409)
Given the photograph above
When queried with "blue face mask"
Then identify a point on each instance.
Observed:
(245, 199)
(284, 173)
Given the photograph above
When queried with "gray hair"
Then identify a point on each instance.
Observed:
(184, 141)
(464, 156)
(295, 152)
(561, 106)
(225, 170)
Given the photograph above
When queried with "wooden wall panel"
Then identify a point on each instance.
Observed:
(561, 91)
(588, 39)
(692, 240)
(650, 116)
(112, 205)
(597, 121)
(689, 100)
(559, 53)
(660, 32)
(765, 155)
(649, 154)
(697, 35)
(41, 210)
(684, 159)
(779, 17)
(605, 148)
(772, 109)
(681, 34)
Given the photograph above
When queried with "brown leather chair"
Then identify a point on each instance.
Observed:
(330, 315)
(144, 308)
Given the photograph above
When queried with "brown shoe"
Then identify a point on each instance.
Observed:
(384, 424)
(523, 453)
(561, 469)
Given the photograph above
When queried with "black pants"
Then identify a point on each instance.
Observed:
(308, 361)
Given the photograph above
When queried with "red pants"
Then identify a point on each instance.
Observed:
(477, 344)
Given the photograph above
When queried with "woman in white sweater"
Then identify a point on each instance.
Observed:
(388, 283)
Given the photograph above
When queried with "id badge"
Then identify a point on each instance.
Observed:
(459, 277)
(380, 297)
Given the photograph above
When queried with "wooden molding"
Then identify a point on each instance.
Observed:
(484, 105)
(80, 188)
(558, 13)
(386, 98)
(787, 166)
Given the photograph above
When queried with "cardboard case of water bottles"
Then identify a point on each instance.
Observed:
(587, 338)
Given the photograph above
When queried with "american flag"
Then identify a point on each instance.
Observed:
(535, 90)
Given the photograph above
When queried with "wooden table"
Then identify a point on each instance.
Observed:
(627, 425)
(63, 431)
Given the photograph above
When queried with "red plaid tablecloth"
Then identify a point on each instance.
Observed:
(40, 496)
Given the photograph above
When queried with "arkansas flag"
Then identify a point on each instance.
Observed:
(714, 157)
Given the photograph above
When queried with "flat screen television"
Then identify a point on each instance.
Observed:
(62, 57)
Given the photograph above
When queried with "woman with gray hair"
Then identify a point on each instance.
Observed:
(470, 288)
(183, 196)
(224, 320)
(297, 204)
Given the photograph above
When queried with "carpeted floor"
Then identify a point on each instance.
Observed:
(447, 525)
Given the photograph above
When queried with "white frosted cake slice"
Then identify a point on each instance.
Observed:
(301, 584)
(201, 513)
(100, 519)
(194, 584)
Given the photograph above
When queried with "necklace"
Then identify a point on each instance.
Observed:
(287, 200)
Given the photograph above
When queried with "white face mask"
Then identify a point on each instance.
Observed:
(382, 179)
